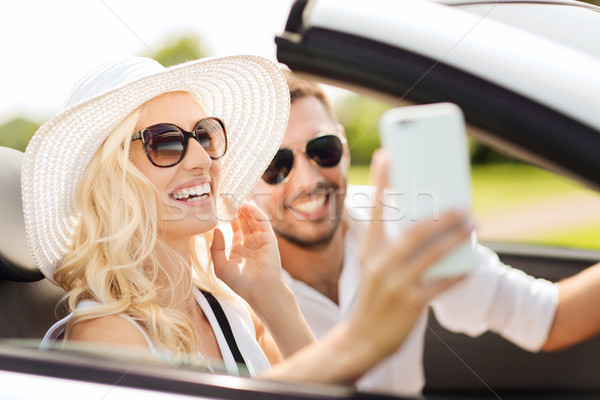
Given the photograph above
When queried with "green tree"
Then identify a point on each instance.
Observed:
(176, 50)
(359, 116)
(17, 132)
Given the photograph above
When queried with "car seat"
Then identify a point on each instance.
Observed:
(27, 300)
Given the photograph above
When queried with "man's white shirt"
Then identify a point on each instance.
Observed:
(493, 297)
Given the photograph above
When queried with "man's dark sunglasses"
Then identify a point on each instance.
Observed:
(325, 150)
(166, 144)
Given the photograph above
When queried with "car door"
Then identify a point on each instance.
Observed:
(526, 89)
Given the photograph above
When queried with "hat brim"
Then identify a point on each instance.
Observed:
(248, 93)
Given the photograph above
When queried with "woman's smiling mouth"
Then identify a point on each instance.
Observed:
(193, 193)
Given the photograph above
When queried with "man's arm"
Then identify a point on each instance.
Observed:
(578, 312)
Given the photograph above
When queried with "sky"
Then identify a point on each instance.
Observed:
(47, 45)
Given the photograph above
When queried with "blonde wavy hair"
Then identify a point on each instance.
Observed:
(114, 256)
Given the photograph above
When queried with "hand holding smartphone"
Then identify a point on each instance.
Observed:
(430, 172)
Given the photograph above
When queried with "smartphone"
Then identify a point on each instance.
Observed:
(430, 172)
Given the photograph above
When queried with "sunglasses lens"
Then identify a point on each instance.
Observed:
(164, 144)
(325, 150)
(210, 133)
(280, 167)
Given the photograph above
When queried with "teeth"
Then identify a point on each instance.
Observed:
(195, 193)
(197, 198)
(314, 204)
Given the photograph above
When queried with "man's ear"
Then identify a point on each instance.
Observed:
(340, 130)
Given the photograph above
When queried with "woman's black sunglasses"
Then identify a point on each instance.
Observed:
(325, 150)
(166, 144)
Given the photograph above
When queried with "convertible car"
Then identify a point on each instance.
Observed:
(525, 75)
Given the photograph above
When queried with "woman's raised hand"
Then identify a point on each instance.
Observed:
(254, 264)
(253, 271)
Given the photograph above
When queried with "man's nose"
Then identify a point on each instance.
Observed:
(306, 173)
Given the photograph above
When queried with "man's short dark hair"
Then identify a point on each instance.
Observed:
(300, 88)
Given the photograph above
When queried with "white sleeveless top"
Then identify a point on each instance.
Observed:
(237, 315)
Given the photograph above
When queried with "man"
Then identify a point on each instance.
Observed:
(318, 220)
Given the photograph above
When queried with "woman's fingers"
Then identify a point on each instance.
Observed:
(252, 219)
(260, 221)
(249, 226)
(253, 225)
(243, 220)
(217, 251)
(237, 230)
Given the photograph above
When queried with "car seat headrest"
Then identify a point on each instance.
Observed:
(16, 261)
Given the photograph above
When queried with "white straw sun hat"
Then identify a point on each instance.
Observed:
(248, 93)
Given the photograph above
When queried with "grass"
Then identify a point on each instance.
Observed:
(358, 175)
(586, 237)
(516, 189)
(507, 185)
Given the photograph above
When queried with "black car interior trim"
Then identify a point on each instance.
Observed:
(514, 118)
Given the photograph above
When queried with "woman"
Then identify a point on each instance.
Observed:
(115, 193)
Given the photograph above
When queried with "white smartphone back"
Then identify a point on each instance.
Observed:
(430, 172)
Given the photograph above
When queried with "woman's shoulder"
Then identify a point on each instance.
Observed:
(109, 329)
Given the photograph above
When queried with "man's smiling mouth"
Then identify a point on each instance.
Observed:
(312, 206)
